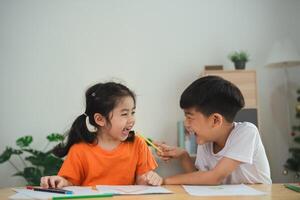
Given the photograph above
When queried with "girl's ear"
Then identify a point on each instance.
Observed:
(217, 120)
(99, 119)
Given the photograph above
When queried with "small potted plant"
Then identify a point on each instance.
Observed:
(239, 58)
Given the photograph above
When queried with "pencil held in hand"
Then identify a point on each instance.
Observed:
(169, 152)
(149, 142)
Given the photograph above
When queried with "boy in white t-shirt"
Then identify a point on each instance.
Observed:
(228, 152)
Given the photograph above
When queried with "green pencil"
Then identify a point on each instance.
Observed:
(149, 142)
(84, 196)
(293, 187)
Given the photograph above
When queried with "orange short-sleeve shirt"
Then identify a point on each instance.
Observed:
(89, 165)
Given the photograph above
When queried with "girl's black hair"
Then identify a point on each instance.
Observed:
(213, 94)
(100, 98)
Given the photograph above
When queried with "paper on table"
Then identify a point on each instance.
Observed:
(222, 190)
(30, 194)
(132, 189)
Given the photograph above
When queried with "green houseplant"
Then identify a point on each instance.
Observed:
(239, 58)
(36, 163)
(293, 163)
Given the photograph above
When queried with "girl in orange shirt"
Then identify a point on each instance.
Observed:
(101, 149)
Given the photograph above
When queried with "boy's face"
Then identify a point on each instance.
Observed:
(201, 125)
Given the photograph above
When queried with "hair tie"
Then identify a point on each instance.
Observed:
(91, 128)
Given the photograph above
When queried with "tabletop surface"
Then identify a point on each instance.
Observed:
(274, 192)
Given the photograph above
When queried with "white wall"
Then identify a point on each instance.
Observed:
(51, 51)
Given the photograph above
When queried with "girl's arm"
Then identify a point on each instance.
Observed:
(213, 177)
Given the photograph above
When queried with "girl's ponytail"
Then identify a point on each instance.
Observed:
(77, 133)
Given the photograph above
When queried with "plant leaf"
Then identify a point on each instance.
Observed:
(18, 174)
(294, 150)
(35, 152)
(292, 164)
(32, 175)
(297, 139)
(24, 141)
(52, 165)
(16, 151)
(5, 156)
(55, 137)
(35, 160)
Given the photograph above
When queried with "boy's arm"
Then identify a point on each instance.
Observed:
(170, 152)
(187, 163)
(213, 177)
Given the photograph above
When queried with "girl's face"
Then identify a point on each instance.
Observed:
(122, 119)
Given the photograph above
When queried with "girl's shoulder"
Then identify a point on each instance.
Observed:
(137, 142)
(81, 146)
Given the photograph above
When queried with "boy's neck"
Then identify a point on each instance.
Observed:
(223, 134)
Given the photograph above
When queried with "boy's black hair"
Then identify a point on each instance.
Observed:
(100, 98)
(213, 94)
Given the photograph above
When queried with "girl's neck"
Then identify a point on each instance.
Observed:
(106, 142)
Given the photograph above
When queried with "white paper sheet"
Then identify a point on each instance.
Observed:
(132, 189)
(24, 194)
(222, 190)
(30, 194)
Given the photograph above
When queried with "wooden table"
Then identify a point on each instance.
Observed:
(274, 192)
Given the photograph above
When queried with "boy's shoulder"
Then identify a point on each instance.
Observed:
(243, 134)
(245, 128)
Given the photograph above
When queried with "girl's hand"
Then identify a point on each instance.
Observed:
(149, 178)
(169, 152)
(54, 182)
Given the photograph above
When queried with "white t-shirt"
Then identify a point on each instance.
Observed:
(244, 145)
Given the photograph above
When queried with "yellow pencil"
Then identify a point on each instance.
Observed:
(149, 142)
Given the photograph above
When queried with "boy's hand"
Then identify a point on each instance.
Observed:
(169, 152)
(149, 178)
(54, 182)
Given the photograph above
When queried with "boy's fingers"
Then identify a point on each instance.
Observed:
(157, 143)
(160, 182)
(157, 180)
(149, 176)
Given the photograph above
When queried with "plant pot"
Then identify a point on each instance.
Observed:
(240, 65)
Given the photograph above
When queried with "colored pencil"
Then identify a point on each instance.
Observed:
(293, 187)
(149, 142)
(84, 196)
(53, 190)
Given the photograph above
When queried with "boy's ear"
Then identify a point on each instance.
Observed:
(99, 119)
(217, 119)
